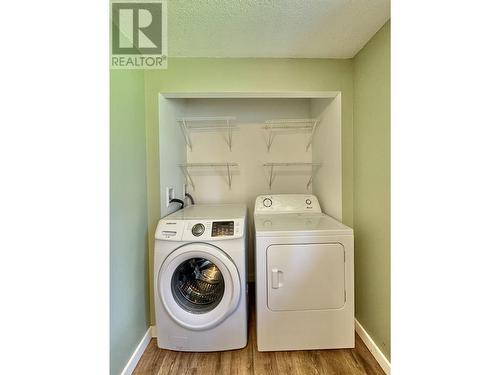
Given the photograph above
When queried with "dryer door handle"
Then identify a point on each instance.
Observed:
(275, 278)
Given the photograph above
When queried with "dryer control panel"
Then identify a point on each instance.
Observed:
(199, 229)
(287, 203)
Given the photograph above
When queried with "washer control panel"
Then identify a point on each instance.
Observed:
(287, 203)
(199, 230)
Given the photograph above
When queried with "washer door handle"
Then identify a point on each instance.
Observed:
(275, 278)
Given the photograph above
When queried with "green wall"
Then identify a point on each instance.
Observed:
(129, 304)
(372, 187)
(206, 74)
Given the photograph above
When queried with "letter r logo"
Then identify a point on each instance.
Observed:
(137, 28)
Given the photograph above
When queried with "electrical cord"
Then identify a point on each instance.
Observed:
(190, 198)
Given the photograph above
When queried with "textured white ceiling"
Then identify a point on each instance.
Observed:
(273, 28)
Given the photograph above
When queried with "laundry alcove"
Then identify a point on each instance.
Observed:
(232, 147)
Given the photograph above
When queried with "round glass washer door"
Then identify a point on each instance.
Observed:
(199, 286)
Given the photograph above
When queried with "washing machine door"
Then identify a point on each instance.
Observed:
(199, 286)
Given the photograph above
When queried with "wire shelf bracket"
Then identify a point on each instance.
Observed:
(272, 174)
(228, 167)
(279, 125)
(207, 123)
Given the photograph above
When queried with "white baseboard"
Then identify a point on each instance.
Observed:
(153, 332)
(373, 348)
(137, 354)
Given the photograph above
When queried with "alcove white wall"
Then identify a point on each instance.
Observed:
(172, 151)
(248, 149)
(327, 150)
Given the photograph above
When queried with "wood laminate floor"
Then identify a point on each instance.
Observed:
(249, 361)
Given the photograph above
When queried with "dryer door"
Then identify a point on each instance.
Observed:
(199, 286)
(305, 277)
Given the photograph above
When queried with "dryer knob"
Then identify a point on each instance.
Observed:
(267, 202)
(198, 229)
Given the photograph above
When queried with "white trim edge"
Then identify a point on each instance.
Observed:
(153, 332)
(137, 354)
(251, 94)
(373, 348)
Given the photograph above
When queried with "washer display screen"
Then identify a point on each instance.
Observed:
(222, 228)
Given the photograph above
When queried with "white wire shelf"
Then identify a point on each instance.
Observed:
(228, 166)
(280, 125)
(272, 174)
(207, 123)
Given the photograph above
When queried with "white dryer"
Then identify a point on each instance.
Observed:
(200, 278)
(304, 275)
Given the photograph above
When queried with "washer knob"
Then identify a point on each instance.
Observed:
(308, 202)
(267, 202)
(198, 229)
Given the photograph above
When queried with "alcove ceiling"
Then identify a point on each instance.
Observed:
(273, 28)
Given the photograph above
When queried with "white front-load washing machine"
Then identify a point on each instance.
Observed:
(304, 275)
(200, 278)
